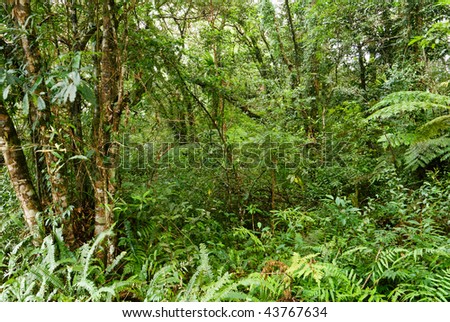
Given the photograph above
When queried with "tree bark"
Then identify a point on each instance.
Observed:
(39, 122)
(16, 163)
(297, 57)
(22, 12)
(109, 117)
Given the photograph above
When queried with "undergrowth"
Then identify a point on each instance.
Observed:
(393, 248)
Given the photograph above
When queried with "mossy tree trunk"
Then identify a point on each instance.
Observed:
(16, 163)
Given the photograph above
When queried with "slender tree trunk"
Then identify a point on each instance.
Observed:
(297, 57)
(22, 12)
(312, 62)
(60, 200)
(109, 117)
(16, 163)
(39, 120)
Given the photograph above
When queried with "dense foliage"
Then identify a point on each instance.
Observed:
(225, 150)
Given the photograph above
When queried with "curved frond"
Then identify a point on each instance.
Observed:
(427, 142)
(422, 153)
(412, 96)
(405, 108)
(435, 126)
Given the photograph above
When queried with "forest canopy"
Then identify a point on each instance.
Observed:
(235, 150)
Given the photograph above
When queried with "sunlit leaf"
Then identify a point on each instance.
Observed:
(75, 77)
(40, 103)
(76, 61)
(72, 92)
(6, 92)
(26, 104)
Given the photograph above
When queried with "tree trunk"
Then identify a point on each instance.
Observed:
(106, 156)
(16, 163)
(39, 122)
(22, 12)
(312, 62)
(297, 57)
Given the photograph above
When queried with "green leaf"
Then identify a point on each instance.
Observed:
(72, 92)
(26, 104)
(90, 153)
(415, 39)
(3, 76)
(36, 84)
(436, 125)
(75, 77)
(76, 61)
(56, 154)
(40, 104)
(87, 93)
(6, 92)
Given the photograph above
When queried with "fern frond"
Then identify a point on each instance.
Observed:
(115, 262)
(302, 267)
(44, 275)
(402, 97)
(404, 108)
(397, 139)
(410, 292)
(244, 232)
(159, 286)
(263, 289)
(441, 282)
(445, 154)
(88, 253)
(424, 145)
(434, 127)
(48, 247)
(421, 153)
(202, 276)
(104, 293)
(222, 289)
(87, 285)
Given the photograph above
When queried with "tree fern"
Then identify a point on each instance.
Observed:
(421, 153)
(428, 141)
(434, 127)
(406, 102)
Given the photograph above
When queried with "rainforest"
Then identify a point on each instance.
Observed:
(235, 150)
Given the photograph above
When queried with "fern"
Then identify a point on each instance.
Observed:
(244, 233)
(160, 285)
(203, 285)
(406, 102)
(202, 275)
(264, 289)
(323, 281)
(429, 141)
(222, 289)
(423, 152)
(434, 127)
(54, 273)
